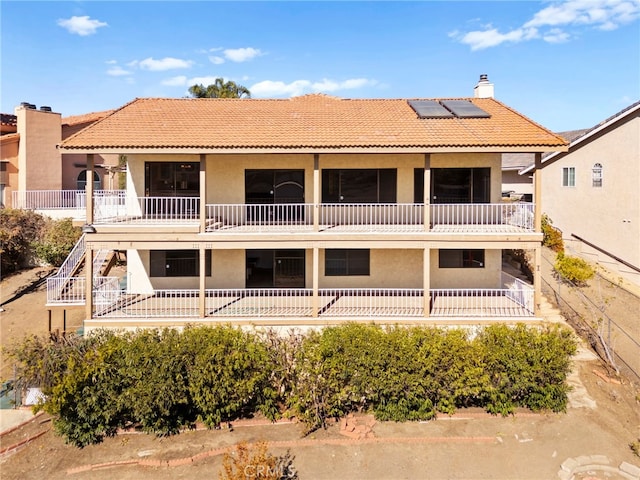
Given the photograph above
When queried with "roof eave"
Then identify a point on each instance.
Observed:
(311, 149)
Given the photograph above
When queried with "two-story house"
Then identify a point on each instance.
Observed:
(311, 210)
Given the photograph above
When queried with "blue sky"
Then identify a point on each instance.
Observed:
(565, 64)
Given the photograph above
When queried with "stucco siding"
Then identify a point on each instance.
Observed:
(607, 216)
(487, 277)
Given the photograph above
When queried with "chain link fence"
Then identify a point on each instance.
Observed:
(606, 315)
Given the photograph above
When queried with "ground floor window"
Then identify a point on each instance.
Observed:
(178, 263)
(461, 258)
(346, 262)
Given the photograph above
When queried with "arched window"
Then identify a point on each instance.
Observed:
(596, 175)
(82, 180)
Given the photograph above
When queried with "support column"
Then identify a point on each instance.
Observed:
(426, 280)
(202, 285)
(316, 192)
(203, 193)
(89, 189)
(537, 281)
(427, 192)
(315, 303)
(88, 292)
(537, 192)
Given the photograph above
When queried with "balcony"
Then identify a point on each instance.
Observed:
(114, 207)
(371, 218)
(300, 304)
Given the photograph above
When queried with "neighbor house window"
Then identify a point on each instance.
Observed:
(178, 263)
(371, 185)
(81, 181)
(569, 177)
(461, 258)
(596, 175)
(346, 262)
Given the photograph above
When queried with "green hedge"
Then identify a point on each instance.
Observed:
(162, 381)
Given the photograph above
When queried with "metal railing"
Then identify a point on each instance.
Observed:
(300, 303)
(372, 302)
(123, 209)
(256, 217)
(372, 216)
(260, 302)
(481, 302)
(58, 199)
(515, 214)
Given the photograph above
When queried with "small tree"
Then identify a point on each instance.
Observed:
(18, 230)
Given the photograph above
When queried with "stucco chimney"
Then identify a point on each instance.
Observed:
(484, 88)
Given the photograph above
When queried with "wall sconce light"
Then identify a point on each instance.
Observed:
(86, 228)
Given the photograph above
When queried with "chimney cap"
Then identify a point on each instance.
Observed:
(45, 108)
(484, 77)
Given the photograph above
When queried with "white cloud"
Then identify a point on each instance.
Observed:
(167, 63)
(179, 81)
(82, 26)
(118, 71)
(241, 54)
(111, 62)
(216, 60)
(206, 81)
(269, 88)
(550, 23)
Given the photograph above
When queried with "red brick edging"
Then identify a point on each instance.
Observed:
(285, 443)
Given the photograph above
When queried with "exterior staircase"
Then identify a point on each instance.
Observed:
(64, 288)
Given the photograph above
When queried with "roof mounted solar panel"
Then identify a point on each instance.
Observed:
(429, 109)
(464, 109)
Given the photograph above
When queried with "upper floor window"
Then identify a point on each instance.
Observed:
(596, 175)
(454, 185)
(568, 176)
(371, 185)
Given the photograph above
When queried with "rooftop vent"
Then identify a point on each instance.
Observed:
(45, 108)
(28, 105)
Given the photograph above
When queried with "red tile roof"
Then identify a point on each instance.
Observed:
(85, 118)
(312, 122)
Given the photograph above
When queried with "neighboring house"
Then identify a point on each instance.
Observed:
(514, 185)
(35, 175)
(312, 210)
(591, 192)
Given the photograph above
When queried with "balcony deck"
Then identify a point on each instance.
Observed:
(334, 304)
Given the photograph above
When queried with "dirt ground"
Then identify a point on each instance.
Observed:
(590, 441)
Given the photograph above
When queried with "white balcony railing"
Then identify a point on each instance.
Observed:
(259, 217)
(330, 303)
(123, 209)
(519, 215)
(373, 216)
(58, 199)
(481, 302)
(71, 290)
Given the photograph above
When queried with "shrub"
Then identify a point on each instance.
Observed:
(526, 367)
(57, 241)
(228, 372)
(552, 237)
(163, 380)
(18, 230)
(573, 269)
(247, 461)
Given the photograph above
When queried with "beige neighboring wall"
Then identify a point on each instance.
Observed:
(607, 216)
(9, 173)
(39, 161)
